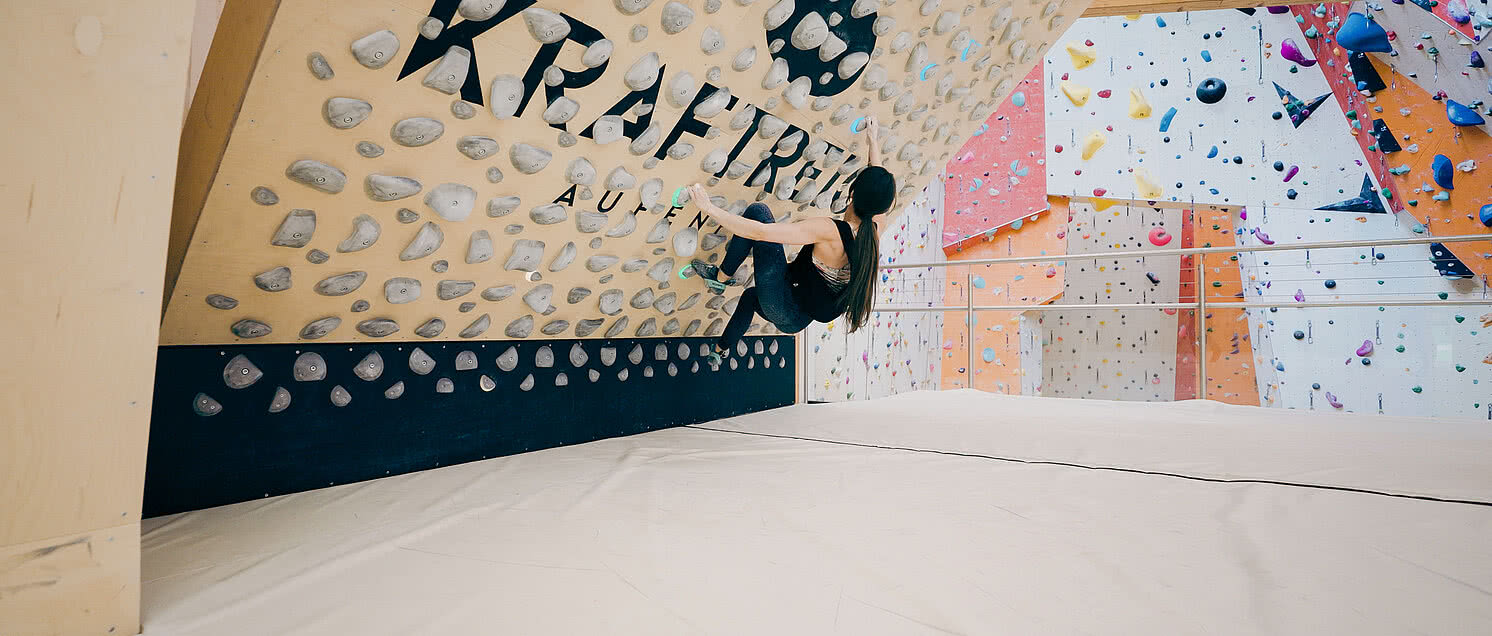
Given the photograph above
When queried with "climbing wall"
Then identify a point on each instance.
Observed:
(895, 351)
(1197, 107)
(1116, 354)
(480, 169)
(1433, 361)
(1400, 102)
(999, 174)
(1001, 350)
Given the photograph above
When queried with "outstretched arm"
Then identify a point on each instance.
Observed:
(873, 138)
(801, 233)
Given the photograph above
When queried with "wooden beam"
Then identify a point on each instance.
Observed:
(1101, 8)
(230, 64)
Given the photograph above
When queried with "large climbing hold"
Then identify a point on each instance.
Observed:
(1138, 107)
(1443, 171)
(1211, 90)
(1146, 186)
(1360, 33)
(1485, 215)
(1082, 54)
(1292, 51)
(1462, 115)
(546, 26)
(377, 49)
(1092, 143)
(1076, 94)
(1366, 201)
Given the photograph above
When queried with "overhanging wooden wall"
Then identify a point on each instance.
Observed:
(93, 107)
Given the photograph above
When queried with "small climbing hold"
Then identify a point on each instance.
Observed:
(1330, 284)
(320, 68)
(414, 132)
(1299, 335)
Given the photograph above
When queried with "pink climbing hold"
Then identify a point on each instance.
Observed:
(1300, 295)
(964, 158)
(1366, 349)
(1290, 174)
(1263, 238)
(1291, 51)
(1159, 236)
(1098, 192)
(1332, 400)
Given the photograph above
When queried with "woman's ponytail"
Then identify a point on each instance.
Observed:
(871, 194)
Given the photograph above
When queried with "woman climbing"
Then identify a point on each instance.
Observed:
(833, 275)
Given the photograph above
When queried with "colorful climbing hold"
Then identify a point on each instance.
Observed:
(1159, 236)
(1082, 54)
(1092, 143)
(1461, 115)
(1138, 107)
(1145, 186)
(1165, 120)
(1291, 51)
(1443, 172)
(1075, 93)
(1361, 34)
(1211, 90)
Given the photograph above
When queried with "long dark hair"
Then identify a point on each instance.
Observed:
(872, 193)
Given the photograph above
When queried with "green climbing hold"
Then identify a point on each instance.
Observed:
(1460, 318)
(1399, 348)
(1460, 368)
(1418, 389)
(1217, 284)
(1387, 193)
(1443, 295)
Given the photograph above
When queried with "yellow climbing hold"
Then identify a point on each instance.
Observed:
(1131, 16)
(1082, 54)
(1138, 107)
(1145, 186)
(1100, 204)
(1076, 94)
(1092, 143)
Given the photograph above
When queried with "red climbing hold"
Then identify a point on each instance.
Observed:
(1105, 93)
(1098, 192)
(1159, 236)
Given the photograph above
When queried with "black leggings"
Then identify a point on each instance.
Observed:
(772, 296)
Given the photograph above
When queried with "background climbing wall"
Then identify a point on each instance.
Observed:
(1422, 361)
(1399, 101)
(999, 175)
(437, 177)
(1006, 343)
(895, 351)
(1113, 100)
(1116, 354)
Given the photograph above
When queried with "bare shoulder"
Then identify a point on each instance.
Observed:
(822, 226)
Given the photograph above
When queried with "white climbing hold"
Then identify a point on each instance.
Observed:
(479, 10)
(528, 159)
(607, 129)
(451, 201)
(449, 73)
(778, 14)
(425, 242)
(546, 26)
(676, 17)
(376, 49)
(580, 172)
(365, 232)
(810, 32)
(505, 96)
(643, 73)
(345, 112)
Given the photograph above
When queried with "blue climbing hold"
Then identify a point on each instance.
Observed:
(1165, 120)
(1485, 216)
(979, 282)
(989, 354)
(1160, 22)
(1460, 115)
(1212, 153)
(1018, 98)
(1206, 55)
(925, 69)
(1444, 171)
(1362, 34)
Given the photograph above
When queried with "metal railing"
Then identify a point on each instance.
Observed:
(1200, 304)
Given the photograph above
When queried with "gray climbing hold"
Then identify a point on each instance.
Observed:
(425, 242)
(479, 249)
(431, 328)
(341, 284)
(431, 28)
(588, 326)
(477, 327)
(680, 150)
(796, 92)
(644, 143)
(309, 367)
(466, 361)
(295, 230)
(577, 294)
(498, 292)
(647, 328)
(608, 128)
(389, 188)
(608, 356)
(345, 112)
(241, 373)
(317, 175)
(689, 302)
(681, 89)
(477, 147)
(643, 73)
(590, 222)
(219, 301)
(340, 396)
(502, 206)
(204, 405)
(444, 385)
(394, 391)
(274, 280)
(660, 352)
(479, 10)
(417, 131)
(687, 240)
(369, 150)
(665, 304)
(365, 233)
(548, 214)
(676, 17)
(634, 265)
(400, 290)
(600, 262)
(440, 266)
(406, 215)
(561, 110)
(610, 302)
(597, 53)
(264, 196)
(564, 258)
(545, 26)
(538, 298)
(420, 362)
(617, 327)
(370, 367)
(715, 302)
(776, 75)
(466, 306)
(377, 327)
(453, 289)
(715, 328)
(520, 328)
(561, 379)
(544, 357)
(622, 375)
(713, 105)
(810, 32)
(317, 256)
(486, 383)
(643, 298)
(638, 33)
(526, 255)
(555, 327)
(250, 328)
(449, 73)
(528, 159)
(376, 49)
(620, 179)
(714, 162)
(659, 233)
(709, 242)
(693, 327)
(506, 95)
(320, 68)
(527, 384)
(280, 401)
(451, 201)
(320, 327)
(662, 270)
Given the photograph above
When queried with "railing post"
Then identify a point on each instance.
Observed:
(969, 322)
(1201, 292)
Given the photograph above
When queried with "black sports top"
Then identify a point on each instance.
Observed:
(814, 295)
